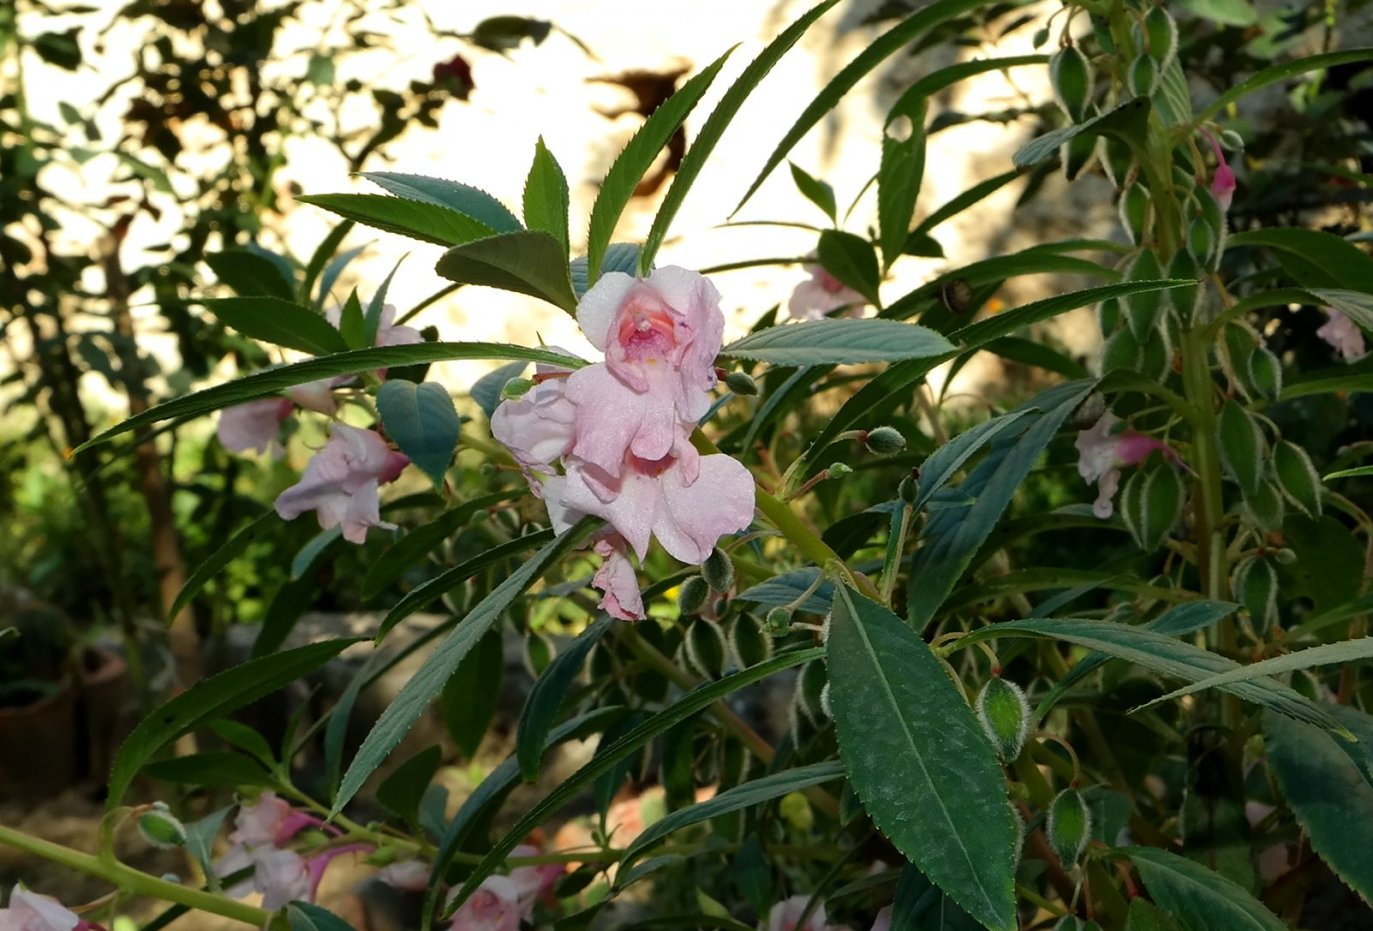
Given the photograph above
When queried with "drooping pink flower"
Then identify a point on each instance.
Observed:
(29, 911)
(1223, 181)
(532, 883)
(282, 876)
(269, 821)
(406, 875)
(253, 426)
(821, 293)
(660, 336)
(537, 428)
(1342, 335)
(659, 498)
(494, 906)
(616, 580)
(341, 482)
(1103, 451)
(318, 395)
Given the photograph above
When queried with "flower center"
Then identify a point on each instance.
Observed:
(646, 331)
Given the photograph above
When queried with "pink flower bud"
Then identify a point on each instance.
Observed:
(1223, 181)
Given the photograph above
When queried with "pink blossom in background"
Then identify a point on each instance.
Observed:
(387, 333)
(253, 427)
(1223, 181)
(28, 911)
(616, 579)
(1342, 335)
(494, 906)
(269, 821)
(341, 482)
(883, 920)
(406, 875)
(658, 499)
(786, 915)
(660, 336)
(1103, 451)
(821, 293)
(318, 395)
(533, 883)
(281, 876)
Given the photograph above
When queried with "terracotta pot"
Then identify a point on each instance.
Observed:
(104, 712)
(38, 746)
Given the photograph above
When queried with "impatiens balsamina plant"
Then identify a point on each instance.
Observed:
(1081, 657)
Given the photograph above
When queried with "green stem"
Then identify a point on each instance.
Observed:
(135, 881)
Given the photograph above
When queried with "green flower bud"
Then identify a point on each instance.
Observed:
(778, 622)
(1151, 503)
(908, 489)
(1039, 38)
(160, 828)
(884, 441)
(1231, 141)
(1265, 373)
(1004, 713)
(1143, 76)
(692, 595)
(1255, 583)
(1071, 75)
(839, 470)
(796, 811)
(516, 388)
(718, 571)
(1134, 211)
(1070, 826)
(1285, 557)
(742, 384)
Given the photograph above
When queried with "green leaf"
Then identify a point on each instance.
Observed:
(321, 256)
(619, 257)
(210, 567)
(1355, 377)
(1197, 898)
(979, 334)
(1127, 122)
(546, 196)
(422, 220)
(477, 807)
(425, 594)
(610, 754)
(1240, 446)
(714, 127)
(430, 678)
(276, 380)
(423, 422)
(951, 536)
(1282, 72)
(1322, 260)
(209, 699)
(411, 548)
(631, 164)
(939, 469)
(839, 342)
(280, 322)
(529, 262)
(877, 51)
(250, 274)
(470, 697)
(402, 790)
(305, 916)
(852, 260)
(1225, 12)
(814, 190)
(921, 906)
(918, 759)
(738, 798)
(462, 198)
(1328, 792)
(1164, 655)
(547, 695)
(1146, 916)
(901, 171)
(212, 768)
(1030, 352)
(1177, 621)
(1327, 654)
(956, 205)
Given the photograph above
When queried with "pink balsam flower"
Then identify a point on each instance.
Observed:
(1103, 452)
(659, 498)
(387, 333)
(821, 293)
(29, 911)
(1223, 181)
(253, 427)
(269, 821)
(494, 906)
(282, 876)
(406, 875)
(786, 916)
(533, 883)
(537, 428)
(616, 579)
(1342, 335)
(341, 482)
(660, 336)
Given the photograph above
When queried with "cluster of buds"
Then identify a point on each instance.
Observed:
(613, 439)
